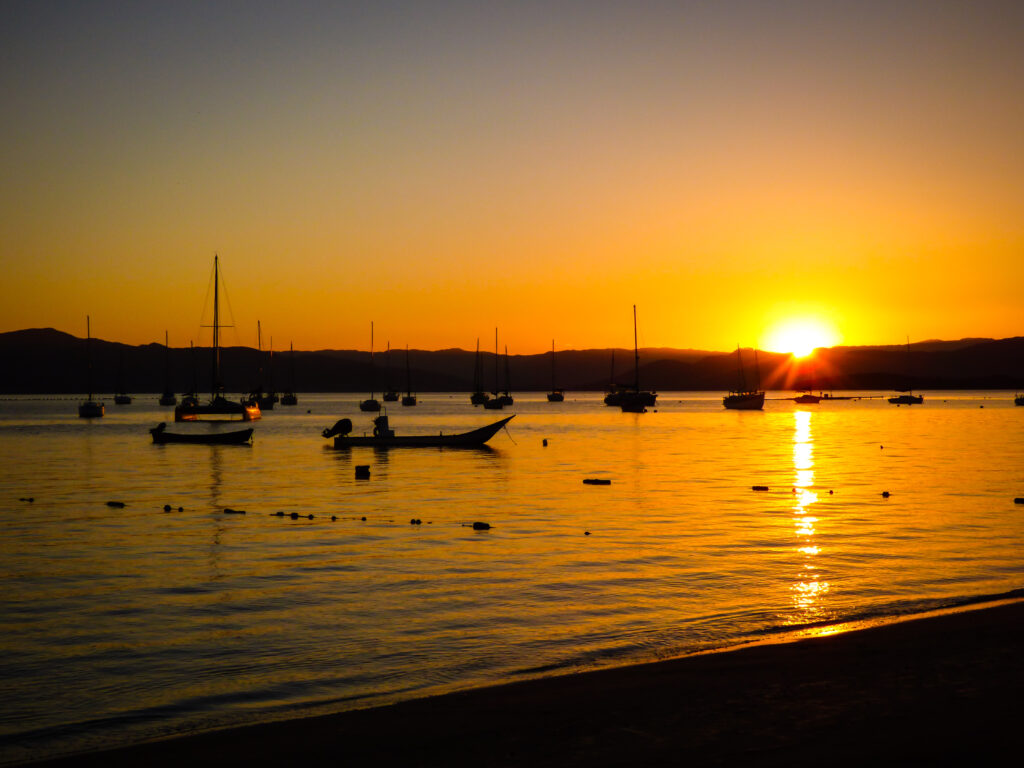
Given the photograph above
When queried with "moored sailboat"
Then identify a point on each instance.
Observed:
(743, 399)
(390, 395)
(167, 398)
(478, 397)
(219, 408)
(122, 397)
(556, 395)
(408, 398)
(908, 397)
(289, 398)
(635, 400)
(90, 409)
(371, 405)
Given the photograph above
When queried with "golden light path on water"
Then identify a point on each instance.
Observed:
(809, 591)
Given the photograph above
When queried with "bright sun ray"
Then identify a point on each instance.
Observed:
(800, 336)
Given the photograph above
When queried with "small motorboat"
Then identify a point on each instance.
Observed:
(236, 437)
(385, 437)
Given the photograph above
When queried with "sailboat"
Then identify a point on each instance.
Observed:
(808, 397)
(219, 408)
(506, 395)
(743, 399)
(289, 398)
(265, 401)
(634, 400)
(90, 409)
(479, 397)
(408, 398)
(556, 395)
(614, 395)
(372, 404)
(1018, 400)
(389, 396)
(122, 397)
(167, 398)
(908, 398)
(495, 403)
(191, 398)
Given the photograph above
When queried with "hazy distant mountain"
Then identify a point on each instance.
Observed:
(44, 360)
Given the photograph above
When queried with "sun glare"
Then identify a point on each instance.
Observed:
(800, 337)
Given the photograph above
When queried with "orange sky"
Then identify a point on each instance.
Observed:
(445, 170)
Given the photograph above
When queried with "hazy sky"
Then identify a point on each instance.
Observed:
(445, 168)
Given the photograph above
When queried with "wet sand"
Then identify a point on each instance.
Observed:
(933, 690)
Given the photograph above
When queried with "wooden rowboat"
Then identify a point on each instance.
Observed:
(236, 437)
(384, 437)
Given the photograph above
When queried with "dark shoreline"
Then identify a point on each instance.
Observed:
(938, 689)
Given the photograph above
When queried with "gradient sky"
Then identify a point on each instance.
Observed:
(445, 168)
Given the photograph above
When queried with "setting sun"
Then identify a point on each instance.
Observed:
(800, 337)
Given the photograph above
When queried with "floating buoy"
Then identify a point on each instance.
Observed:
(596, 481)
(230, 511)
(885, 494)
(294, 515)
(334, 517)
(309, 517)
(364, 519)
(831, 492)
(1019, 500)
(116, 504)
(544, 442)
(481, 526)
(362, 471)
(29, 499)
(181, 509)
(279, 513)
(586, 533)
(759, 487)
(167, 507)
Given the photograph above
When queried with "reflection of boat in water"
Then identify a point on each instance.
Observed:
(556, 395)
(219, 408)
(744, 399)
(236, 437)
(908, 398)
(385, 437)
(90, 409)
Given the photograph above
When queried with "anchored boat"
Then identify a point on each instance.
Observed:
(385, 437)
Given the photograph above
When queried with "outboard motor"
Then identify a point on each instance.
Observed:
(380, 427)
(341, 428)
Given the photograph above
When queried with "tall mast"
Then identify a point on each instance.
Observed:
(408, 376)
(495, 392)
(739, 365)
(507, 383)
(195, 377)
(216, 329)
(552, 365)
(478, 371)
(291, 356)
(167, 363)
(88, 357)
(636, 355)
(371, 360)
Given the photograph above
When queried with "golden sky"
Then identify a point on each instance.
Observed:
(445, 168)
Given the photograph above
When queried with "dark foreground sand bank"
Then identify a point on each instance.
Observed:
(940, 690)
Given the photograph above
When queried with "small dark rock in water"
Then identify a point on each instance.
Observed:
(116, 504)
(167, 507)
(1019, 500)
(481, 526)
(759, 487)
(294, 515)
(362, 471)
(230, 511)
(596, 481)
(885, 494)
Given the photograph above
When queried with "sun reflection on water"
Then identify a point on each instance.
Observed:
(808, 590)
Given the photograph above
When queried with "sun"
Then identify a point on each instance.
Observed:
(800, 337)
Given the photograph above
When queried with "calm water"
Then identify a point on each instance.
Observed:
(118, 625)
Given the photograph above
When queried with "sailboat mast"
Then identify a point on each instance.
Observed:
(552, 365)
(167, 363)
(195, 375)
(215, 380)
(408, 375)
(495, 391)
(88, 356)
(371, 360)
(739, 366)
(291, 357)
(636, 355)
(508, 384)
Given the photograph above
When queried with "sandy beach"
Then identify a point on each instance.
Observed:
(937, 689)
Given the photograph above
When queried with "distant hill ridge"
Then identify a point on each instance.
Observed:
(45, 361)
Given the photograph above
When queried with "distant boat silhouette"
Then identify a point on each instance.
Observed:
(167, 398)
(743, 399)
(634, 400)
(1018, 400)
(389, 396)
(808, 397)
(385, 437)
(556, 395)
(614, 395)
(909, 398)
(90, 409)
(121, 398)
(371, 405)
(289, 398)
(219, 408)
(506, 395)
(408, 398)
(191, 398)
(263, 400)
(478, 397)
